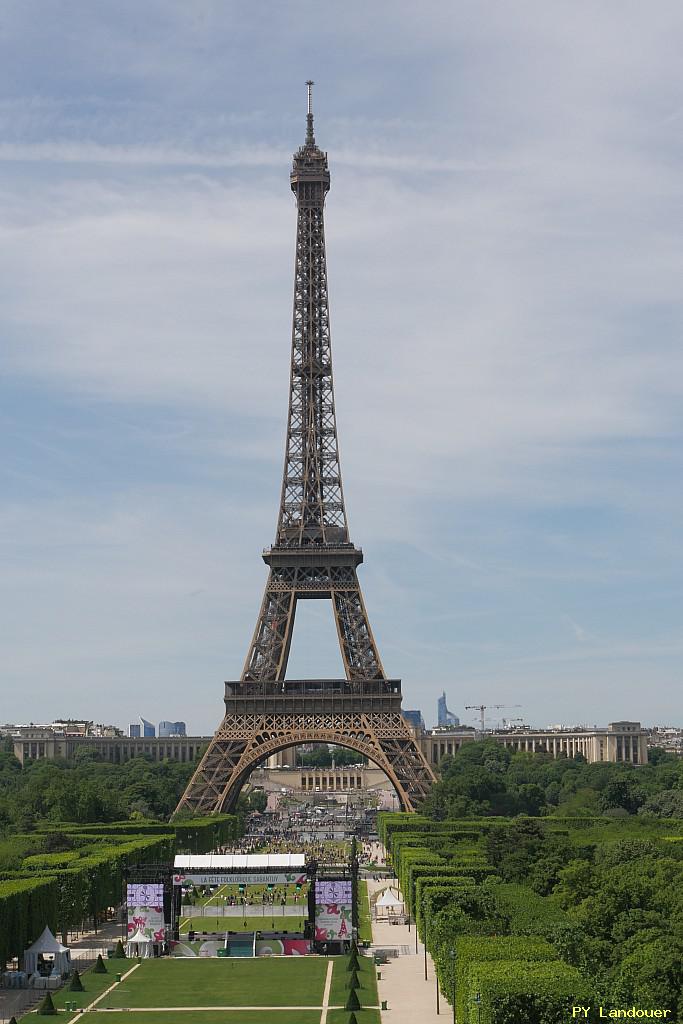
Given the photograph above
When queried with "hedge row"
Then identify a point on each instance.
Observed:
(427, 886)
(64, 899)
(26, 906)
(511, 991)
(487, 939)
(528, 913)
(416, 869)
(193, 835)
(64, 889)
(473, 950)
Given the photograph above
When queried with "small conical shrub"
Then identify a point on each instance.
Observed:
(119, 952)
(75, 985)
(352, 1001)
(13, 1020)
(47, 1007)
(99, 967)
(352, 1019)
(352, 980)
(352, 963)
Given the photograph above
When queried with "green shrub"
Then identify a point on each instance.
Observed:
(47, 1007)
(100, 967)
(119, 952)
(352, 1001)
(75, 985)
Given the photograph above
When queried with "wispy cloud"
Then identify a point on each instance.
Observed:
(505, 264)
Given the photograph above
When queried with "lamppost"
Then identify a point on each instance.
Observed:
(426, 920)
(451, 954)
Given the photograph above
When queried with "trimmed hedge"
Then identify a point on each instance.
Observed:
(64, 889)
(528, 913)
(430, 884)
(474, 950)
(26, 906)
(517, 990)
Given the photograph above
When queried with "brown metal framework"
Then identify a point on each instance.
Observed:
(312, 557)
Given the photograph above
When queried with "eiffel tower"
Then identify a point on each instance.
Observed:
(312, 557)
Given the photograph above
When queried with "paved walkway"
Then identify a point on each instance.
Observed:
(410, 999)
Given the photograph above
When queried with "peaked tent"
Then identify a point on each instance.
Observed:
(388, 904)
(139, 944)
(51, 949)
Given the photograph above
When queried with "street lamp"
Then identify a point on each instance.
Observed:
(426, 919)
(451, 953)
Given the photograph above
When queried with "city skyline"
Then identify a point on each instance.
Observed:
(504, 286)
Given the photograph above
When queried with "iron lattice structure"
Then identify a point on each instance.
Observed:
(312, 557)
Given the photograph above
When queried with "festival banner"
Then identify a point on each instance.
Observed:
(333, 910)
(149, 920)
(231, 878)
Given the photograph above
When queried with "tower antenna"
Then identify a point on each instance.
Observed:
(310, 138)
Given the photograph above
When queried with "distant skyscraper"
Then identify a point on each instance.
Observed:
(146, 727)
(134, 732)
(415, 718)
(172, 729)
(445, 718)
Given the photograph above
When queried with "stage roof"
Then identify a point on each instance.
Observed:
(238, 861)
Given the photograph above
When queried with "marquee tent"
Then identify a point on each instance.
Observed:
(388, 904)
(139, 945)
(48, 950)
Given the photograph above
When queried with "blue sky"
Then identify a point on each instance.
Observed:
(505, 258)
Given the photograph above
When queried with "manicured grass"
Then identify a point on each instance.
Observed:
(290, 981)
(226, 1017)
(342, 1017)
(364, 919)
(94, 985)
(367, 975)
(237, 924)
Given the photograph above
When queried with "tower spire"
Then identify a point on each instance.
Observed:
(310, 137)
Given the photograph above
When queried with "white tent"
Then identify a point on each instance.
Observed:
(49, 951)
(139, 944)
(388, 904)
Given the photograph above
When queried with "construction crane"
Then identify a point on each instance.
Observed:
(482, 709)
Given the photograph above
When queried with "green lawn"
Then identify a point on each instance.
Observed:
(290, 981)
(367, 975)
(239, 924)
(342, 1017)
(238, 1017)
(94, 985)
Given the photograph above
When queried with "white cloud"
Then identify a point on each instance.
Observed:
(505, 265)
